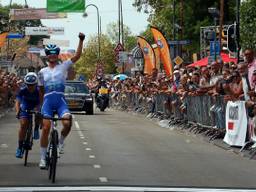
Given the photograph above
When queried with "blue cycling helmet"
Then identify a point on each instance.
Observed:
(31, 78)
(52, 50)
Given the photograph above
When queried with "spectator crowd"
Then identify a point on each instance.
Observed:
(9, 84)
(231, 81)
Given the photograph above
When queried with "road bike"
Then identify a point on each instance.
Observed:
(28, 141)
(52, 149)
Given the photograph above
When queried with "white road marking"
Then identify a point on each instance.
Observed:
(77, 125)
(88, 149)
(80, 133)
(82, 137)
(117, 188)
(97, 166)
(73, 116)
(92, 156)
(85, 143)
(103, 179)
(4, 145)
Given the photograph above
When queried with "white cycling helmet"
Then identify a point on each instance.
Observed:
(31, 78)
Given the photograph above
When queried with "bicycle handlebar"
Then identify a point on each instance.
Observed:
(57, 118)
(31, 112)
(44, 117)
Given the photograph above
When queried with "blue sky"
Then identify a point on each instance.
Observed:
(75, 23)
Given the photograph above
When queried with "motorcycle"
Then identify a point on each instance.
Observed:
(102, 99)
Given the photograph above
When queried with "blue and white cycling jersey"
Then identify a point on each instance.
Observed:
(53, 80)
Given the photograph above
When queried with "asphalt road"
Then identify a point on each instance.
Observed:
(120, 149)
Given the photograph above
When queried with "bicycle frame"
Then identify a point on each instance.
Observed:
(52, 152)
(28, 141)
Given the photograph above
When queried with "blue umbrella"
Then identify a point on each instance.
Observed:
(121, 76)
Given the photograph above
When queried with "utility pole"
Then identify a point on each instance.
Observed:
(119, 22)
(181, 23)
(173, 25)
(237, 28)
(122, 21)
(221, 21)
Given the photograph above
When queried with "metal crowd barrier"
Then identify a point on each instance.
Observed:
(204, 110)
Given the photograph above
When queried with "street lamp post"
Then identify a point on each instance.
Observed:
(98, 17)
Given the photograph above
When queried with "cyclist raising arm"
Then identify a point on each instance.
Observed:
(27, 98)
(52, 85)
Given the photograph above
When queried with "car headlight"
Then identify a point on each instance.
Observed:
(88, 99)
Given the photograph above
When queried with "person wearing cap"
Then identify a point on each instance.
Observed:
(27, 98)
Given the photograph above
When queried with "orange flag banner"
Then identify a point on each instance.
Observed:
(3, 38)
(149, 55)
(164, 50)
(158, 59)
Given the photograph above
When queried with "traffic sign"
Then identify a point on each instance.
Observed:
(118, 48)
(179, 42)
(216, 50)
(15, 36)
(123, 56)
(178, 60)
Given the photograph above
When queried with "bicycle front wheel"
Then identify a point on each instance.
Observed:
(28, 143)
(53, 155)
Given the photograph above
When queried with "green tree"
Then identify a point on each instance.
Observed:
(195, 15)
(248, 24)
(89, 59)
(130, 40)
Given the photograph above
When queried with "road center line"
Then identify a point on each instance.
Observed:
(92, 156)
(88, 149)
(97, 166)
(85, 143)
(103, 179)
(77, 125)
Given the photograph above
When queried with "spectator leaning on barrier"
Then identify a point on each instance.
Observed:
(243, 71)
(205, 77)
(223, 86)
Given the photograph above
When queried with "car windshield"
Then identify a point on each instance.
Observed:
(76, 88)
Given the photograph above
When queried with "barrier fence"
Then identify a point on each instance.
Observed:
(203, 110)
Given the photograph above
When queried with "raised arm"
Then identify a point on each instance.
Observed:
(79, 48)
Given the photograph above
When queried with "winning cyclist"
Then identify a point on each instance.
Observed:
(27, 98)
(51, 82)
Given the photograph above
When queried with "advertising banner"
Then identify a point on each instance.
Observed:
(65, 5)
(34, 14)
(236, 123)
(3, 38)
(44, 30)
(164, 50)
(149, 55)
(60, 43)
